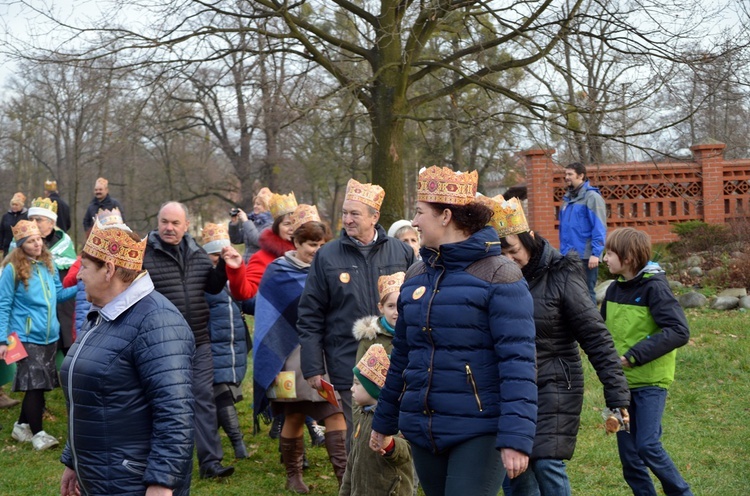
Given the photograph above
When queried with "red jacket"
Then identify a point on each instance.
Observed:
(271, 248)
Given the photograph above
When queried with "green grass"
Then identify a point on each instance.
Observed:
(706, 431)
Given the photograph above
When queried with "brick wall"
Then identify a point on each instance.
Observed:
(645, 195)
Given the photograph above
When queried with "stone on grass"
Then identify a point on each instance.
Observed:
(695, 272)
(693, 299)
(693, 261)
(674, 284)
(745, 302)
(736, 292)
(725, 302)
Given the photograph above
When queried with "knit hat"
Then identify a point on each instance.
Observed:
(43, 207)
(390, 284)
(372, 369)
(398, 225)
(371, 195)
(304, 213)
(18, 198)
(23, 229)
(443, 185)
(282, 204)
(114, 244)
(215, 237)
(50, 185)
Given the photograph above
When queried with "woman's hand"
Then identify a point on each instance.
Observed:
(3, 351)
(514, 461)
(69, 483)
(314, 382)
(378, 442)
(241, 215)
(232, 257)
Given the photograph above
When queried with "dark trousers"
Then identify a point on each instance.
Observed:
(346, 405)
(473, 467)
(207, 440)
(591, 279)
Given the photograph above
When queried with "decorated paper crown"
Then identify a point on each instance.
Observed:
(282, 204)
(113, 244)
(443, 185)
(50, 185)
(24, 229)
(390, 284)
(101, 182)
(304, 213)
(371, 195)
(508, 216)
(215, 237)
(265, 195)
(44, 207)
(18, 198)
(111, 218)
(372, 369)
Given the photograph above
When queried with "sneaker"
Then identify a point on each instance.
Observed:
(22, 433)
(317, 434)
(42, 441)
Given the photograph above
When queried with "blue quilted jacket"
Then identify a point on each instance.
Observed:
(228, 344)
(463, 360)
(127, 382)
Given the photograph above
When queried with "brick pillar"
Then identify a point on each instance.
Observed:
(541, 200)
(710, 157)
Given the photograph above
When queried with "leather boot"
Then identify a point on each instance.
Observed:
(228, 421)
(336, 447)
(291, 451)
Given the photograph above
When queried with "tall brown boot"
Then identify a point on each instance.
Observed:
(336, 447)
(292, 450)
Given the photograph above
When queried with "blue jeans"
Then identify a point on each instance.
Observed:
(641, 449)
(592, 276)
(543, 478)
(472, 467)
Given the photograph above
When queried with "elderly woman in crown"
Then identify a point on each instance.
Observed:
(132, 359)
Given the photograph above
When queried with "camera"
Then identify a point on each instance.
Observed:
(234, 212)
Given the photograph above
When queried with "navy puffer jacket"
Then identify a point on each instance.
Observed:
(229, 345)
(127, 382)
(463, 354)
(184, 282)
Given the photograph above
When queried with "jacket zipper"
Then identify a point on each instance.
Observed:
(231, 339)
(428, 330)
(470, 380)
(71, 430)
(46, 292)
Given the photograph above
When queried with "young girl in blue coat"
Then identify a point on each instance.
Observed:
(30, 289)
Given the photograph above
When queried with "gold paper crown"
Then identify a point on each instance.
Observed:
(101, 182)
(370, 194)
(50, 185)
(282, 204)
(508, 216)
(390, 284)
(113, 244)
(110, 218)
(374, 365)
(24, 229)
(44, 203)
(304, 213)
(215, 237)
(18, 198)
(443, 185)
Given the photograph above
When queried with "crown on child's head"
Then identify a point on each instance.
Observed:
(114, 244)
(443, 185)
(215, 237)
(372, 369)
(282, 204)
(371, 195)
(304, 213)
(390, 284)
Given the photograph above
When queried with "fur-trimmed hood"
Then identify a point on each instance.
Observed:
(273, 244)
(368, 328)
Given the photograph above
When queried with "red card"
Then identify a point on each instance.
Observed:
(328, 393)
(16, 351)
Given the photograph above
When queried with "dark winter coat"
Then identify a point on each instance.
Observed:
(63, 212)
(127, 382)
(229, 344)
(565, 317)
(463, 351)
(185, 281)
(370, 473)
(343, 286)
(9, 220)
(107, 203)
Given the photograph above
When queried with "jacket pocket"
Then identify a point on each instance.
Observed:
(395, 485)
(137, 468)
(470, 380)
(403, 389)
